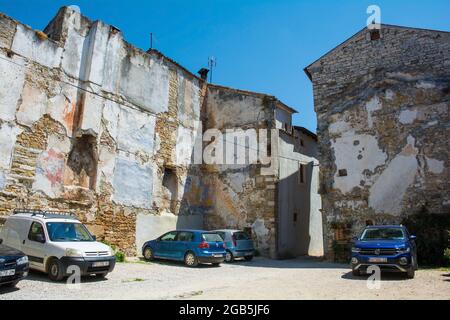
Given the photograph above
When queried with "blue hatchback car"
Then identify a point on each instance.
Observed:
(391, 248)
(191, 246)
(238, 244)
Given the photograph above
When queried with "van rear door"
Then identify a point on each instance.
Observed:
(243, 241)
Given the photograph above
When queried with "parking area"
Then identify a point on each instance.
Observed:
(302, 278)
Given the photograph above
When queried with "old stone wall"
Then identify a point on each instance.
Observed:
(244, 197)
(382, 103)
(91, 124)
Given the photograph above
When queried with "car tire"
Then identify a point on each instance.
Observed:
(11, 284)
(148, 254)
(229, 257)
(101, 275)
(356, 273)
(190, 259)
(216, 264)
(411, 273)
(55, 270)
(248, 258)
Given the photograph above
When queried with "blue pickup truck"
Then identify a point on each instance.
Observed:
(391, 248)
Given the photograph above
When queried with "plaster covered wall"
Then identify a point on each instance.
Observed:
(383, 115)
(243, 197)
(88, 123)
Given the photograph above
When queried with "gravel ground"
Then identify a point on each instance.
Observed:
(259, 279)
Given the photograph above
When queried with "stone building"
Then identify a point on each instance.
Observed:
(382, 100)
(93, 125)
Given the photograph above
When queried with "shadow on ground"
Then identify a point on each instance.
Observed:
(386, 276)
(42, 277)
(174, 263)
(259, 262)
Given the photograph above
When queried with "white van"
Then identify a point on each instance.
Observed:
(54, 241)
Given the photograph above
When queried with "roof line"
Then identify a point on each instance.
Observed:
(253, 93)
(307, 132)
(357, 33)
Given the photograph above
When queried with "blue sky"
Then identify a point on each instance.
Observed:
(260, 45)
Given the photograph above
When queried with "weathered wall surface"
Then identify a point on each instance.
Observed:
(243, 197)
(90, 124)
(383, 127)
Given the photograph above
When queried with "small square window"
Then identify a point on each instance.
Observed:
(342, 172)
(375, 34)
(301, 174)
(295, 217)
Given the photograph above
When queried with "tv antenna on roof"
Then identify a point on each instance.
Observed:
(212, 62)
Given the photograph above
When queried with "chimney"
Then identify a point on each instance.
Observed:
(203, 72)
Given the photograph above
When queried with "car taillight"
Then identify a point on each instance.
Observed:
(234, 240)
(203, 245)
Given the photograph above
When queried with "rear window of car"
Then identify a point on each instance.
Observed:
(241, 236)
(211, 237)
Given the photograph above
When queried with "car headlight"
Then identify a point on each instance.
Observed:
(73, 253)
(403, 250)
(356, 250)
(22, 260)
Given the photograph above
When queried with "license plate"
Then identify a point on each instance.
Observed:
(217, 256)
(100, 264)
(377, 260)
(6, 273)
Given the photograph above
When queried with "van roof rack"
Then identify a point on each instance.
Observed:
(44, 213)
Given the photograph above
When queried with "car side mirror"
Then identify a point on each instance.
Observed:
(94, 237)
(413, 237)
(354, 239)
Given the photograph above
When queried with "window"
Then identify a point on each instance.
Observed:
(342, 172)
(222, 235)
(36, 233)
(169, 236)
(67, 232)
(241, 236)
(185, 236)
(211, 237)
(301, 174)
(302, 143)
(295, 216)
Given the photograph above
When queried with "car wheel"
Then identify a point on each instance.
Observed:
(410, 273)
(248, 258)
(229, 256)
(148, 254)
(190, 259)
(356, 272)
(55, 270)
(216, 264)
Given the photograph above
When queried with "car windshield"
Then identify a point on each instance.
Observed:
(383, 234)
(68, 231)
(212, 237)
